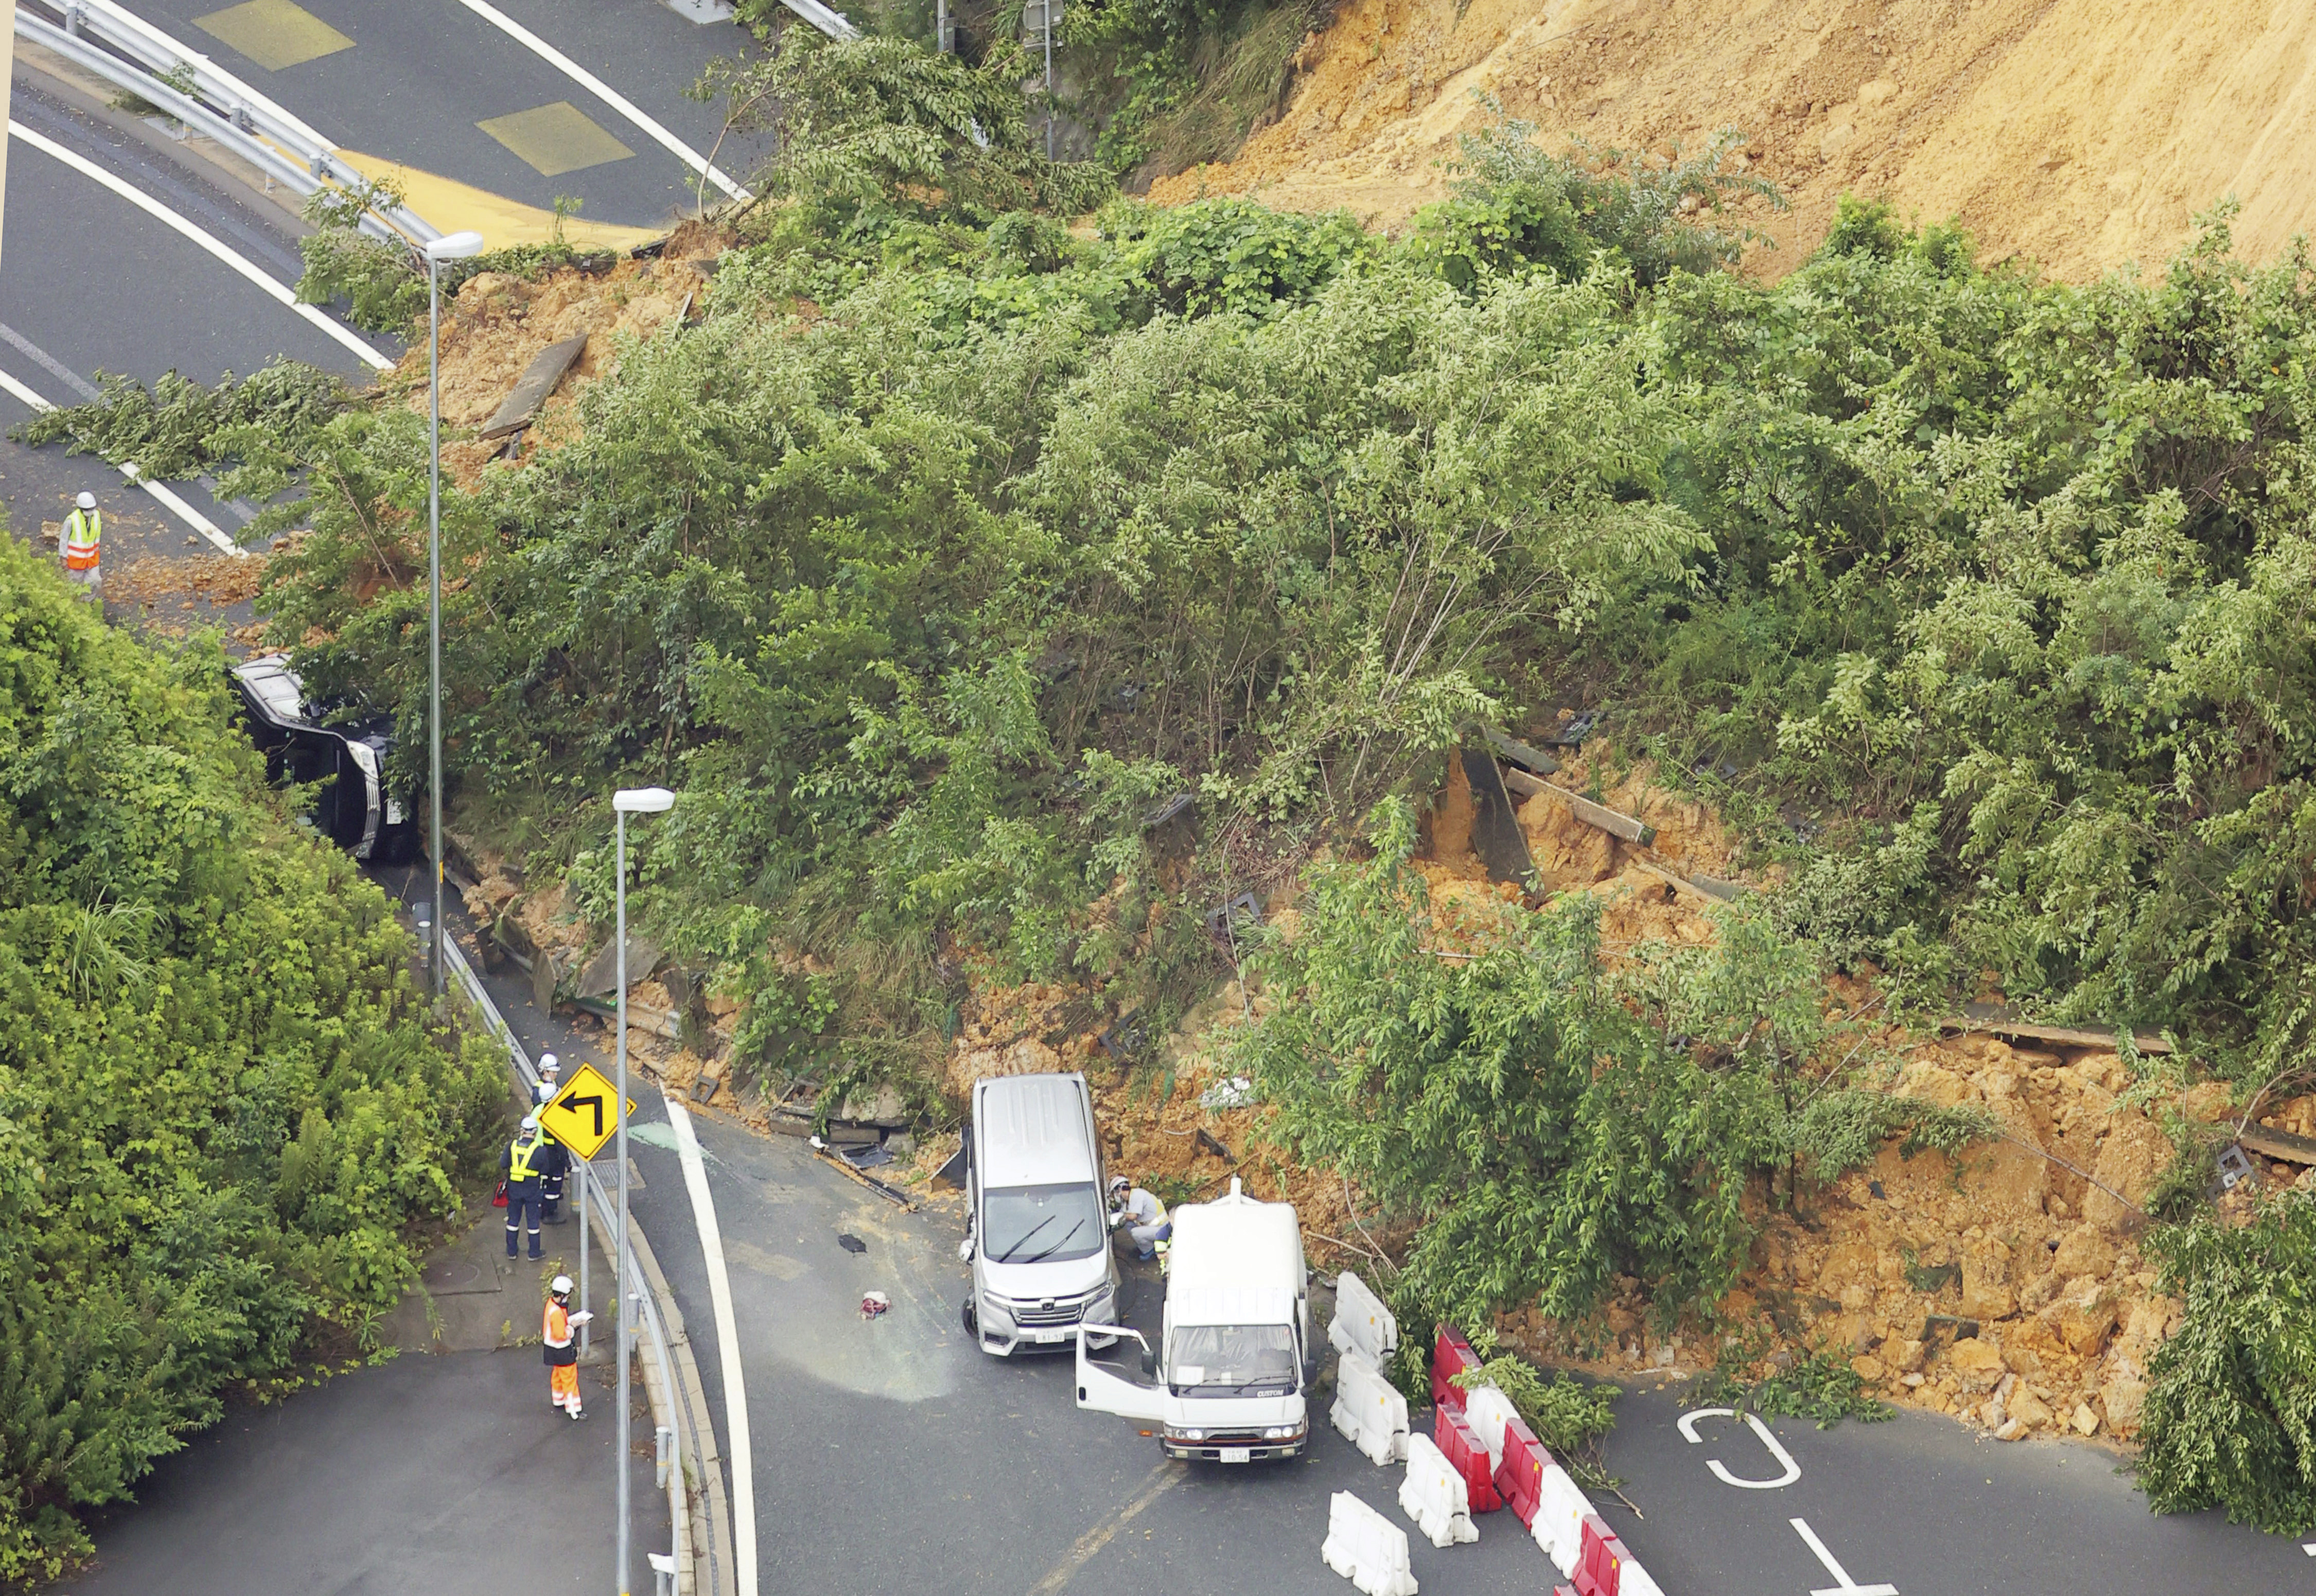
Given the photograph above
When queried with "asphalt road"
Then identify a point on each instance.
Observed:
(423, 1475)
(421, 76)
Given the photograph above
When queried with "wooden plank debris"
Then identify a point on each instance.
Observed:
(1587, 812)
(1993, 1020)
(2278, 1144)
(533, 388)
(1533, 760)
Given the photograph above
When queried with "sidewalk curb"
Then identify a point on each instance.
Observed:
(698, 1515)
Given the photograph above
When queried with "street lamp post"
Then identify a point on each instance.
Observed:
(454, 246)
(626, 802)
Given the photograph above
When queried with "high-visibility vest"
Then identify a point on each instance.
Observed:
(555, 1331)
(83, 528)
(519, 1154)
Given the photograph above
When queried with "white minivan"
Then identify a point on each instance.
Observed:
(1035, 1228)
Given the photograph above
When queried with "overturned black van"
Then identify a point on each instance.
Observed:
(354, 808)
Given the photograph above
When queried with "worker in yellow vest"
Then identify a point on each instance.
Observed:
(522, 1163)
(82, 529)
(562, 1357)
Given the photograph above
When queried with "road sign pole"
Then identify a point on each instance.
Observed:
(619, 1107)
(586, 1171)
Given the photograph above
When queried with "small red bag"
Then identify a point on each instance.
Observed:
(498, 1198)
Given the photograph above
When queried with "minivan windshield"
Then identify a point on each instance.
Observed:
(1032, 1224)
(1233, 1361)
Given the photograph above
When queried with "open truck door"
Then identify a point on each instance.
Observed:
(1102, 1391)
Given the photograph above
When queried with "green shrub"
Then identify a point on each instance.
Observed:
(2230, 1420)
(221, 1111)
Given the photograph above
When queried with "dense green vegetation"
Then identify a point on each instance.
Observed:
(220, 1109)
(953, 539)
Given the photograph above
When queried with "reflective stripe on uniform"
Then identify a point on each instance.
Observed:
(83, 528)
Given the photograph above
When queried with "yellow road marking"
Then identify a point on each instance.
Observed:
(274, 34)
(1161, 1480)
(556, 139)
(454, 206)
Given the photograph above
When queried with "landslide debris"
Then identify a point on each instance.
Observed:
(2080, 134)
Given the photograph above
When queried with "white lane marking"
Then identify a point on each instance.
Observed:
(727, 1347)
(209, 241)
(1847, 1586)
(1792, 1470)
(48, 363)
(607, 94)
(191, 518)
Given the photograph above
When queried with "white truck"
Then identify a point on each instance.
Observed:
(1225, 1382)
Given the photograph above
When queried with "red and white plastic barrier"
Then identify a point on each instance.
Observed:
(1451, 1355)
(1369, 1410)
(1362, 1324)
(1366, 1548)
(1478, 1429)
(1434, 1496)
(1466, 1457)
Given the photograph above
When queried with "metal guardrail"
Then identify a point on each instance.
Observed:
(636, 1291)
(100, 36)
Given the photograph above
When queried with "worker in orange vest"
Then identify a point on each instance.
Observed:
(83, 528)
(562, 1355)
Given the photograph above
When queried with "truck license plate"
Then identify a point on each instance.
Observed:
(1237, 1454)
(1049, 1337)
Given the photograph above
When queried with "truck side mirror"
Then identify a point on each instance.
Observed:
(1149, 1362)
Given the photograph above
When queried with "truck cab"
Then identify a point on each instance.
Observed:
(1035, 1230)
(1225, 1382)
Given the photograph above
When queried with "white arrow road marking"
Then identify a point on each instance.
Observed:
(727, 1347)
(209, 241)
(1847, 1586)
(606, 93)
(1792, 1470)
(185, 512)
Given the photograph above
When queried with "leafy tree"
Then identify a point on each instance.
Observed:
(874, 123)
(2230, 1412)
(1539, 1135)
(220, 1108)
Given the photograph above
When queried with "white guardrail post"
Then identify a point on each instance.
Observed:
(100, 36)
(659, 1380)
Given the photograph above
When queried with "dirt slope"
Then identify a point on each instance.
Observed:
(2079, 133)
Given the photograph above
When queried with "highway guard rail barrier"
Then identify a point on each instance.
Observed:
(102, 37)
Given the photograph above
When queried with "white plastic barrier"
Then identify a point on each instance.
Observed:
(1362, 1323)
(1559, 1528)
(1487, 1409)
(1632, 1580)
(1369, 1410)
(1435, 1496)
(1366, 1548)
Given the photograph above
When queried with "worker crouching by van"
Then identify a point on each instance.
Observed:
(1142, 1216)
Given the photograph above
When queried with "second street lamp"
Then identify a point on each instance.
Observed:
(626, 802)
(454, 246)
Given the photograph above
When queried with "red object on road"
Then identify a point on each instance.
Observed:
(1460, 1444)
(1451, 1354)
(498, 1198)
(1519, 1472)
(1600, 1563)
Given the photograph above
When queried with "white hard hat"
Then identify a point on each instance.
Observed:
(86, 502)
(560, 1285)
(547, 1066)
(530, 1122)
(1119, 1182)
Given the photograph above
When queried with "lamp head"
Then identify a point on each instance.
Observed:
(454, 246)
(642, 801)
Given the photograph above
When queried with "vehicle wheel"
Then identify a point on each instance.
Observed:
(972, 1323)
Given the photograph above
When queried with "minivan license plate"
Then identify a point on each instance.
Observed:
(1049, 1337)
(1237, 1454)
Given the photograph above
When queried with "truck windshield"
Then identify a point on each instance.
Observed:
(1232, 1360)
(1030, 1224)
